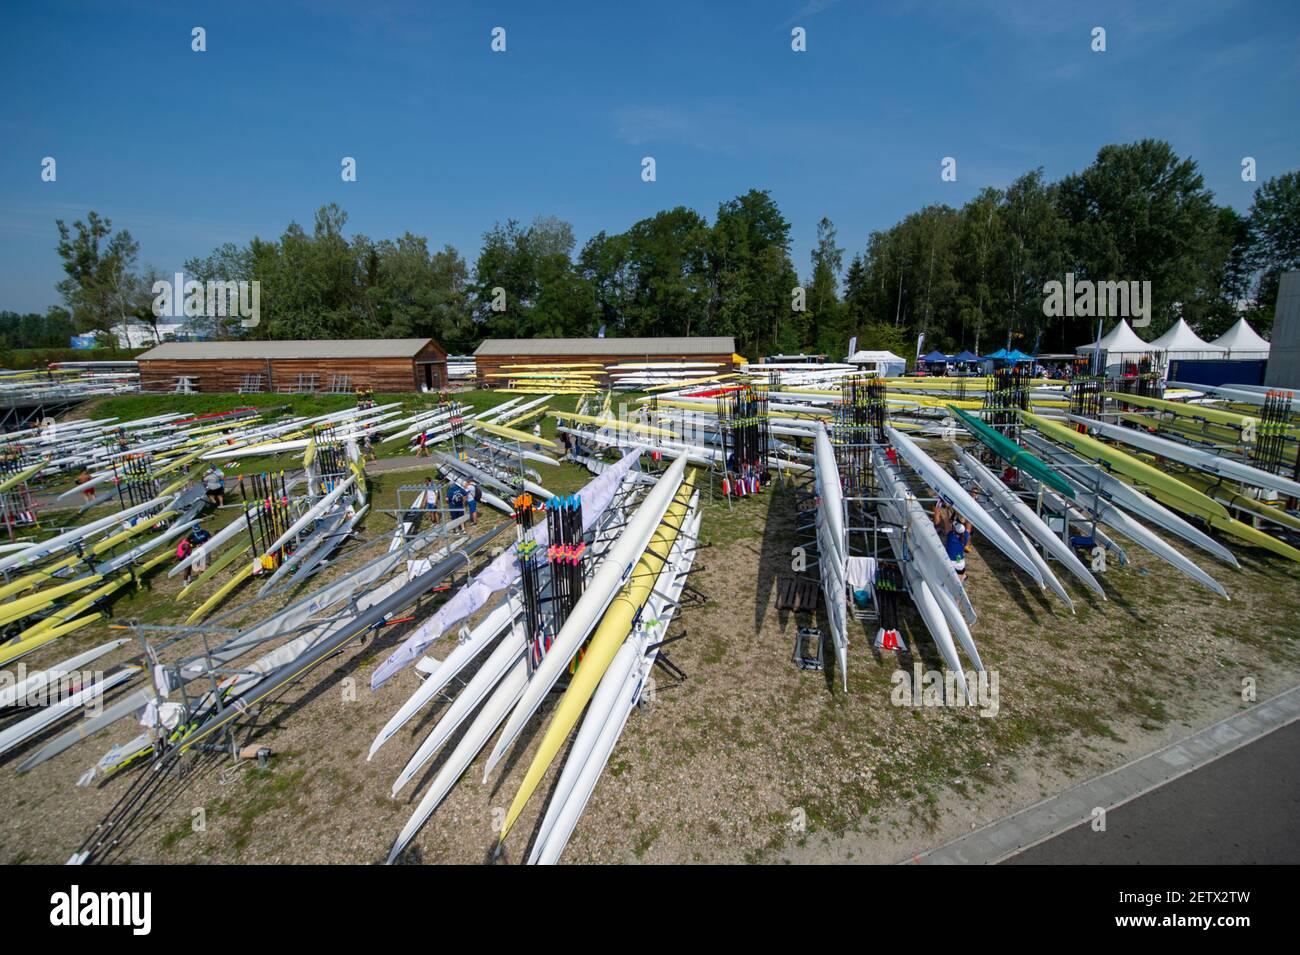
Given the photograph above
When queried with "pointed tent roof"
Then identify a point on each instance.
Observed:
(867, 356)
(1242, 341)
(1181, 342)
(965, 356)
(935, 356)
(1121, 340)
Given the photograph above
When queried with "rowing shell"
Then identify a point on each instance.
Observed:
(601, 589)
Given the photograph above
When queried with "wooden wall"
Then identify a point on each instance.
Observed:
(494, 363)
(281, 374)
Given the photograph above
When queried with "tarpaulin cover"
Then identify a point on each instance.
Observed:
(596, 497)
(1013, 453)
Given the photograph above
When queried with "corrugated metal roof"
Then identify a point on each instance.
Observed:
(335, 348)
(717, 345)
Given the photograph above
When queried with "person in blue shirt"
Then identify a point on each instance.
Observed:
(955, 534)
(455, 500)
(472, 496)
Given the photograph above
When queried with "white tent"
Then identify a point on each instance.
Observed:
(1242, 342)
(1120, 344)
(1180, 342)
(884, 363)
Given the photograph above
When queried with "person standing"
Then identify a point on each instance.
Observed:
(183, 550)
(432, 500)
(214, 484)
(472, 496)
(955, 536)
(193, 545)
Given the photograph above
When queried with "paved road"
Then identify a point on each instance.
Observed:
(1242, 808)
(1244, 798)
(401, 462)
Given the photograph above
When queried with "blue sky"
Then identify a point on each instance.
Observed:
(190, 150)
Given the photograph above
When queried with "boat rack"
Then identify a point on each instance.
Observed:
(213, 664)
(663, 661)
(201, 678)
(410, 516)
(495, 457)
(17, 504)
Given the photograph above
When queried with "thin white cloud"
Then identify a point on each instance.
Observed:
(808, 10)
(1123, 21)
(704, 130)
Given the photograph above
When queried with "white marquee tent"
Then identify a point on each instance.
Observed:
(1242, 342)
(1181, 343)
(884, 363)
(1120, 344)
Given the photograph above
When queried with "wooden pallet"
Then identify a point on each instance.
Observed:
(797, 595)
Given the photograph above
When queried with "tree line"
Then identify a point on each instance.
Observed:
(970, 277)
(34, 330)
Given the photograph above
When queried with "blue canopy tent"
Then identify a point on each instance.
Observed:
(1004, 357)
(936, 363)
(964, 363)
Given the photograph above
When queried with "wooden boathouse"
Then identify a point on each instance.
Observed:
(494, 354)
(338, 365)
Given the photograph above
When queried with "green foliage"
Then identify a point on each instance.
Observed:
(823, 323)
(968, 278)
(1274, 236)
(525, 285)
(1139, 212)
(752, 276)
(54, 329)
(654, 270)
(321, 285)
(670, 274)
(974, 278)
(1235, 260)
(882, 336)
(27, 358)
(227, 263)
(102, 289)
